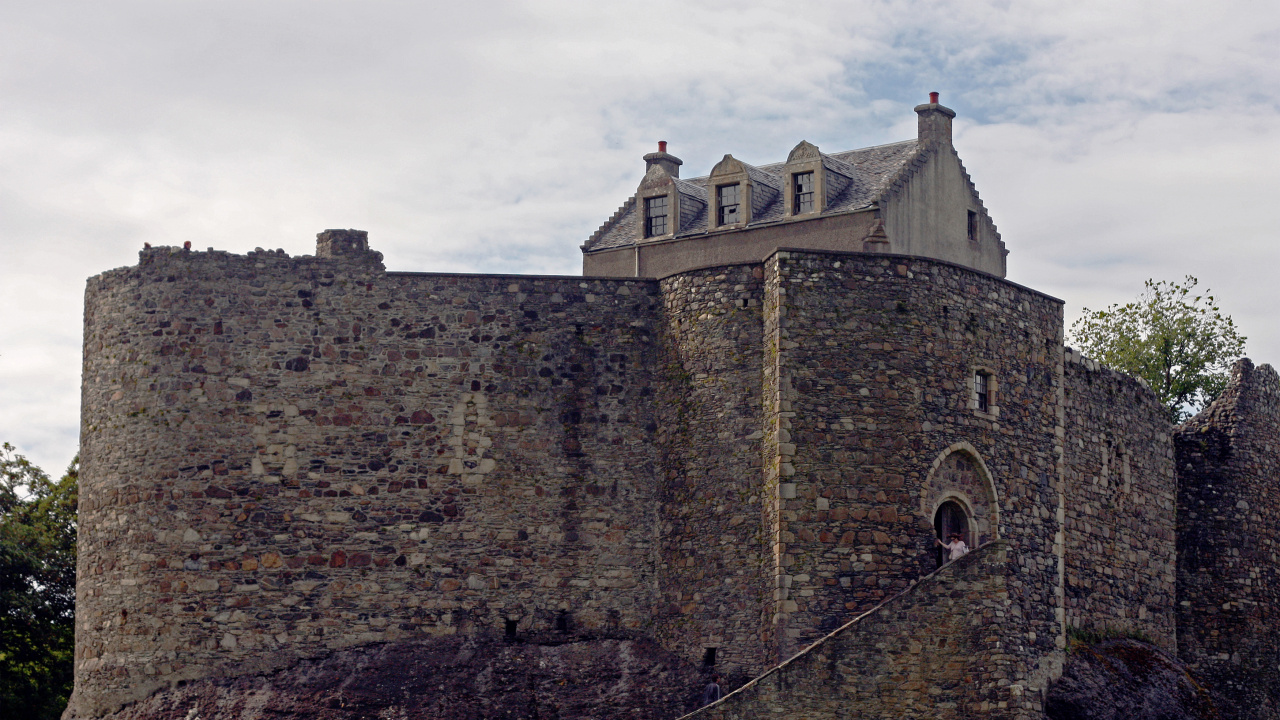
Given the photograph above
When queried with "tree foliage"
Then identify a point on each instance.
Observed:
(1175, 339)
(37, 587)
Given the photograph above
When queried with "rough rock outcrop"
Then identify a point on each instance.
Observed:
(1125, 679)
(448, 678)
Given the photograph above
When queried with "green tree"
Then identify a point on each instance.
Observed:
(1176, 340)
(37, 587)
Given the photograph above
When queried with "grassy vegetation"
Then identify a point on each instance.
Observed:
(1087, 637)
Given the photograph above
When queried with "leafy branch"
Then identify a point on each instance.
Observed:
(37, 587)
(1174, 338)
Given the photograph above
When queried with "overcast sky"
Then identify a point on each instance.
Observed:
(1112, 141)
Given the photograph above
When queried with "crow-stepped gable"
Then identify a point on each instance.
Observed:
(311, 487)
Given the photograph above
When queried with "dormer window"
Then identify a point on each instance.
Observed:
(802, 193)
(729, 204)
(738, 193)
(656, 213)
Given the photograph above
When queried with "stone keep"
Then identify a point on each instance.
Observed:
(715, 451)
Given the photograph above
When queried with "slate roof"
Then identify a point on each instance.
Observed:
(871, 170)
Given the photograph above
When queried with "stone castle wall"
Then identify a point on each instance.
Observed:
(1228, 462)
(1121, 493)
(284, 456)
(878, 426)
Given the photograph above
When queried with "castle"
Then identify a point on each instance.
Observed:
(741, 429)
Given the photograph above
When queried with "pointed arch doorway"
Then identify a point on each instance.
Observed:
(958, 495)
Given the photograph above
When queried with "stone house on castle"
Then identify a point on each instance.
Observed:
(311, 487)
(916, 192)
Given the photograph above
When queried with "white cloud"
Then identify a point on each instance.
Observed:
(1112, 141)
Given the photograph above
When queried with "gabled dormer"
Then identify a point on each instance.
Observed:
(814, 181)
(666, 205)
(740, 194)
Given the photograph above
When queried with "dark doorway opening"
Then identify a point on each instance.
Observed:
(950, 518)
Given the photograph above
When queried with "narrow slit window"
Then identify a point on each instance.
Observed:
(729, 201)
(655, 216)
(510, 629)
(973, 226)
(802, 187)
(982, 388)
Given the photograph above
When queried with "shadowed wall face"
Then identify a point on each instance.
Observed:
(715, 578)
(1228, 459)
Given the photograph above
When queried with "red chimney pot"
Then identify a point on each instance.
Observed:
(933, 98)
(662, 146)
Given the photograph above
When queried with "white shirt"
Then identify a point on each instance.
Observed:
(957, 548)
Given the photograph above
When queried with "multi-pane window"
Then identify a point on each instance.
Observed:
(982, 388)
(729, 200)
(802, 193)
(655, 216)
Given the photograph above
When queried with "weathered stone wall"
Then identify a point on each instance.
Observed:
(1228, 462)
(877, 425)
(1120, 501)
(939, 650)
(284, 456)
(714, 577)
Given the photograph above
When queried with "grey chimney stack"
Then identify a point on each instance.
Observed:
(935, 121)
(669, 162)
